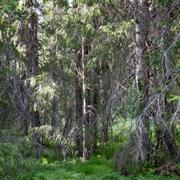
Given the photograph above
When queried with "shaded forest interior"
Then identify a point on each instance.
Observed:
(89, 89)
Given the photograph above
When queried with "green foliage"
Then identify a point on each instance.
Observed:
(11, 161)
(8, 5)
(14, 166)
(109, 42)
(121, 30)
(164, 2)
(174, 98)
(95, 169)
(111, 149)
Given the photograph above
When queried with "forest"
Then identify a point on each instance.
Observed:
(89, 89)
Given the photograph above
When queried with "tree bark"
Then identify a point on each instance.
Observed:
(94, 119)
(32, 55)
(79, 103)
(142, 76)
(32, 46)
(169, 107)
(85, 150)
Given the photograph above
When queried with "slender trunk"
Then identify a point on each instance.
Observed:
(169, 107)
(32, 46)
(94, 119)
(104, 120)
(142, 77)
(85, 153)
(79, 103)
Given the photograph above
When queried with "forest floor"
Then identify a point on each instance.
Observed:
(17, 163)
(96, 169)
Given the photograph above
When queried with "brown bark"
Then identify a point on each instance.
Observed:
(32, 46)
(79, 103)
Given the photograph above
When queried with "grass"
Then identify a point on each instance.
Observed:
(16, 165)
(98, 168)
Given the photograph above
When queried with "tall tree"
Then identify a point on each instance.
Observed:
(32, 46)
(168, 65)
(142, 19)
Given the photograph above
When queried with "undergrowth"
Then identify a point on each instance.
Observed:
(17, 163)
(98, 168)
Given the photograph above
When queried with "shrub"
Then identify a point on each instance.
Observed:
(11, 161)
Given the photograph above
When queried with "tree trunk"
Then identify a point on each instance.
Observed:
(169, 107)
(85, 151)
(94, 119)
(79, 103)
(142, 77)
(32, 56)
(32, 46)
